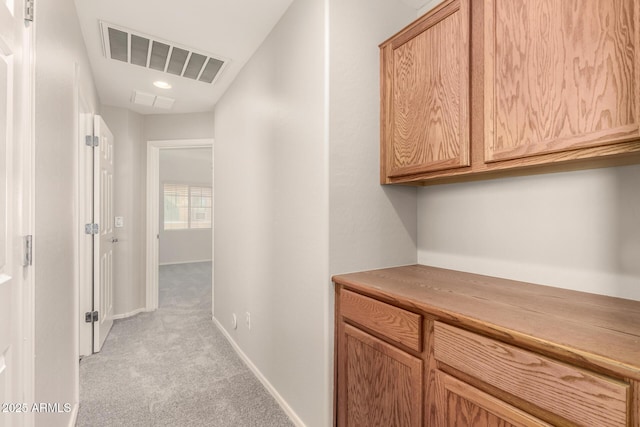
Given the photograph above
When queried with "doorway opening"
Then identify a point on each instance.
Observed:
(179, 207)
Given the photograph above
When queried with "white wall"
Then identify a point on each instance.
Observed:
(129, 186)
(185, 166)
(296, 191)
(271, 211)
(59, 47)
(575, 230)
(372, 226)
(178, 126)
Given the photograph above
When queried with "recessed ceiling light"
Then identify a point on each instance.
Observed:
(162, 85)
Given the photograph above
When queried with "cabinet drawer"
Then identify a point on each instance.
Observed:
(461, 403)
(577, 395)
(398, 325)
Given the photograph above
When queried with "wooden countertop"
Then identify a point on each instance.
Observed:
(587, 329)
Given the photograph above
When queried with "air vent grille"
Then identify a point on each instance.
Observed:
(146, 51)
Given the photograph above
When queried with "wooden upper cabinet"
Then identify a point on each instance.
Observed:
(488, 88)
(425, 94)
(559, 75)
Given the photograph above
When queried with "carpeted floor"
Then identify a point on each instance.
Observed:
(173, 367)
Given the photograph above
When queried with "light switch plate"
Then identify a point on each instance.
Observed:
(119, 222)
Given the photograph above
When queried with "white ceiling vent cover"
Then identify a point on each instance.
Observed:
(151, 100)
(126, 45)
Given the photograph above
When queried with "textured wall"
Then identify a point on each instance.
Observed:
(271, 210)
(576, 230)
(372, 226)
(59, 48)
(178, 126)
(297, 193)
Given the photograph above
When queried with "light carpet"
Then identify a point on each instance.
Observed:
(173, 367)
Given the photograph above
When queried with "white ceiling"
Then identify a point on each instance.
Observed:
(229, 29)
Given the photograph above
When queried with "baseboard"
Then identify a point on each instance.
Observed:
(129, 314)
(74, 415)
(185, 262)
(283, 404)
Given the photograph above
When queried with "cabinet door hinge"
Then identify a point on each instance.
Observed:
(27, 259)
(91, 228)
(29, 11)
(91, 316)
(92, 141)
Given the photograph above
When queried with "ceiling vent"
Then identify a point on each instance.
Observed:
(151, 100)
(146, 51)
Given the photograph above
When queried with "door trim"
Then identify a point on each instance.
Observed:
(153, 214)
(27, 226)
(84, 190)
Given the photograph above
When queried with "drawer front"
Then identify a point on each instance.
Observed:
(398, 325)
(572, 393)
(461, 403)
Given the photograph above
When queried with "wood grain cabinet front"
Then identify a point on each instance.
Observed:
(568, 394)
(400, 326)
(559, 75)
(460, 404)
(495, 87)
(425, 86)
(381, 385)
(380, 381)
(492, 352)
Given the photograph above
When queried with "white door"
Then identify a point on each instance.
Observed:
(104, 240)
(7, 273)
(13, 143)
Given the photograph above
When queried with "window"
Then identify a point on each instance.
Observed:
(187, 207)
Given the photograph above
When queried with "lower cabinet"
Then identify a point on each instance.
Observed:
(564, 392)
(460, 404)
(382, 384)
(404, 361)
(379, 379)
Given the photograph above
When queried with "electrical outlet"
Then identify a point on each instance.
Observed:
(248, 320)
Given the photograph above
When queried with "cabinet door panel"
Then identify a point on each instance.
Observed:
(426, 94)
(382, 384)
(560, 75)
(464, 405)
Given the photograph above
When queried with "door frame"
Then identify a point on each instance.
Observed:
(153, 214)
(20, 198)
(84, 191)
(24, 184)
(103, 241)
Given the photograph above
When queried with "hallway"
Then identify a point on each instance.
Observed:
(173, 367)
